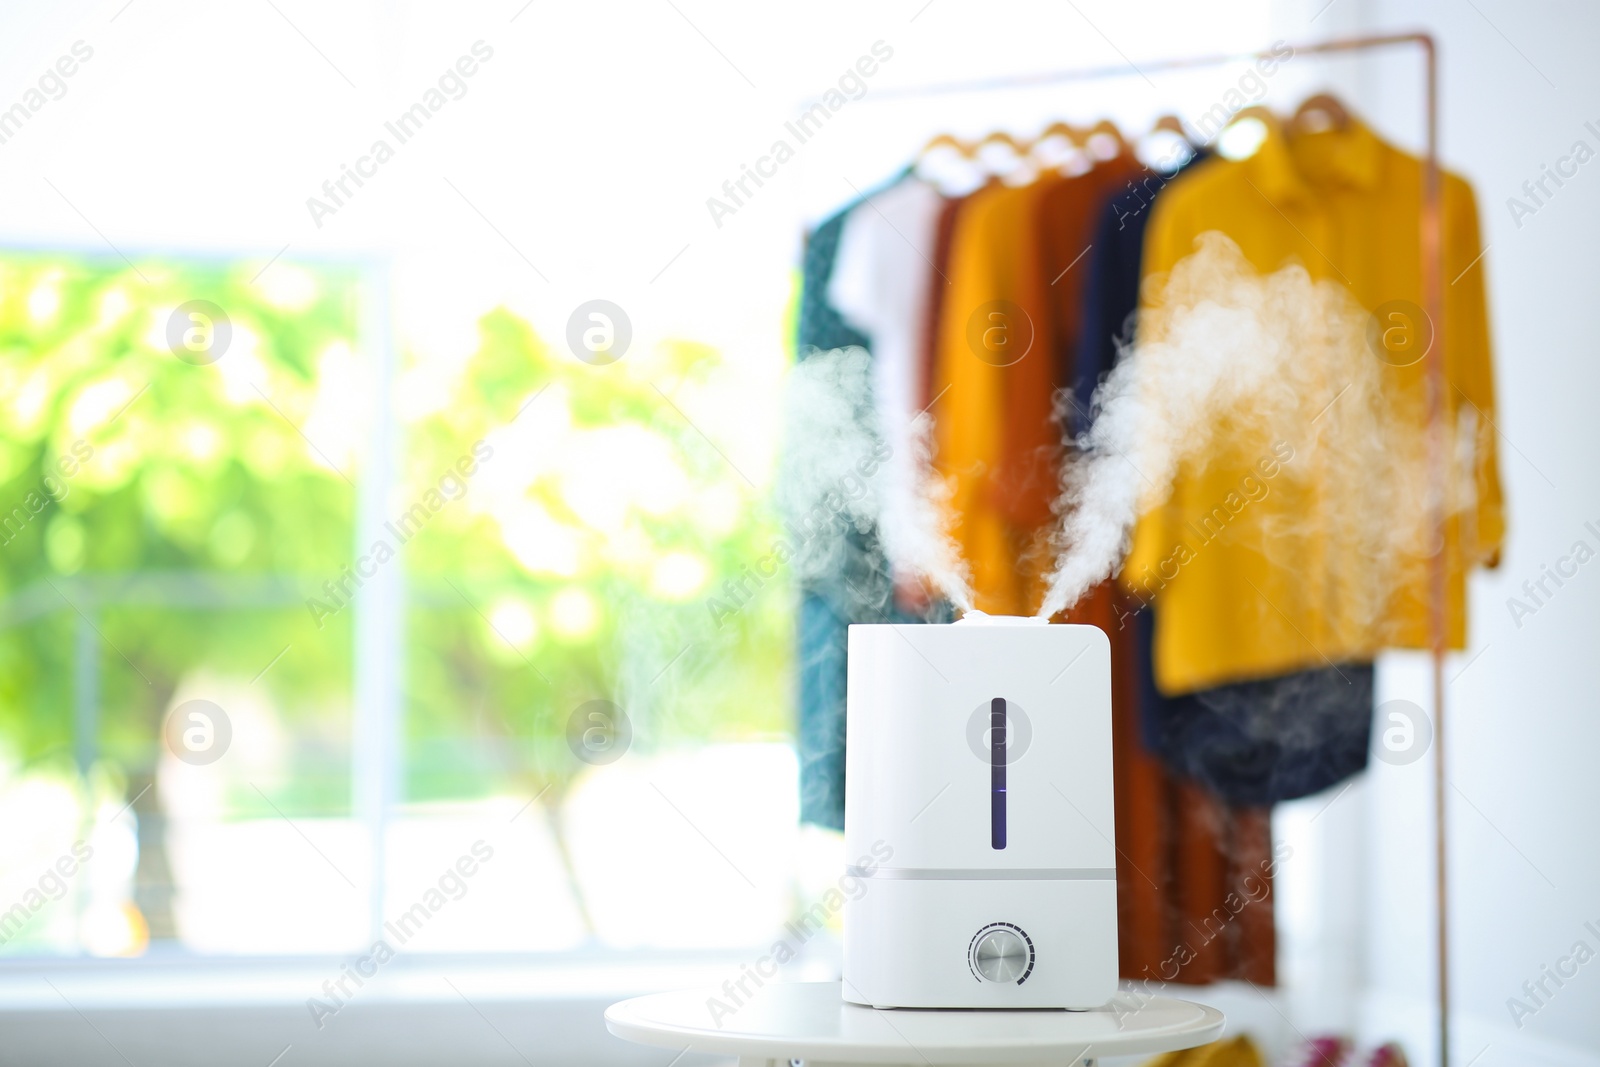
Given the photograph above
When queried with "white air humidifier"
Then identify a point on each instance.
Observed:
(978, 816)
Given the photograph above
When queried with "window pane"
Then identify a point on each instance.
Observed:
(576, 701)
(593, 633)
(176, 471)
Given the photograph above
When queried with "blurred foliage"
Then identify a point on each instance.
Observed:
(586, 546)
(573, 564)
(183, 467)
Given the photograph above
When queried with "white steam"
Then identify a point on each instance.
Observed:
(915, 535)
(1230, 361)
(842, 474)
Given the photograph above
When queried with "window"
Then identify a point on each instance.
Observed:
(306, 641)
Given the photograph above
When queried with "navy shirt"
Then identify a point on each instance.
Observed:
(1254, 742)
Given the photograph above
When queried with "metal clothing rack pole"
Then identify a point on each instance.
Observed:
(1429, 240)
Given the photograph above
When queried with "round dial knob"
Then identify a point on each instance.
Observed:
(1000, 956)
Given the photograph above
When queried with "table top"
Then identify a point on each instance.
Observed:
(810, 1020)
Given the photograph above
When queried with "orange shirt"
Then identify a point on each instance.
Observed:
(993, 327)
(1007, 327)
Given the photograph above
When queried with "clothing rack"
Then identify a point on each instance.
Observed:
(1429, 239)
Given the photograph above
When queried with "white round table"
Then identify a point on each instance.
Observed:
(810, 1021)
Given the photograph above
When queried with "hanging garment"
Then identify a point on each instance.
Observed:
(1007, 329)
(1194, 874)
(1110, 304)
(1253, 743)
(861, 590)
(993, 320)
(938, 289)
(1346, 206)
(880, 287)
(821, 326)
(820, 676)
(1227, 1052)
(827, 605)
(1073, 214)
(1065, 214)
(861, 594)
(1112, 272)
(1265, 741)
(1241, 1051)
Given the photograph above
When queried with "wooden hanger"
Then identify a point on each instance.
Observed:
(945, 140)
(1179, 153)
(1326, 105)
(1233, 148)
(1002, 137)
(1020, 169)
(1060, 147)
(956, 177)
(1259, 112)
(1170, 123)
(1107, 128)
(1073, 134)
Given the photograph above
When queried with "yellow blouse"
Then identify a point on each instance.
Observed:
(1346, 206)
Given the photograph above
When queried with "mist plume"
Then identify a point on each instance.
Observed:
(1228, 361)
(841, 472)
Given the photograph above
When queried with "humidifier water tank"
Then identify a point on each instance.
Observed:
(978, 816)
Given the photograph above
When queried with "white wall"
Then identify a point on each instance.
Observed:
(1518, 82)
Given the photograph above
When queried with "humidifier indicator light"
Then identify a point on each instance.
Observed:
(1001, 952)
(997, 773)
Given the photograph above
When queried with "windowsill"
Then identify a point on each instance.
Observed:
(175, 979)
(420, 1009)
(417, 1011)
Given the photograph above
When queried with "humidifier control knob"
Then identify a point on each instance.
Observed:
(1002, 953)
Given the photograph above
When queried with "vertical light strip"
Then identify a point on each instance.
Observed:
(997, 773)
(380, 609)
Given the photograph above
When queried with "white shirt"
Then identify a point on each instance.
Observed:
(882, 276)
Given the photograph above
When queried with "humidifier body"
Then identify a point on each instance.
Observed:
(979, 816)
